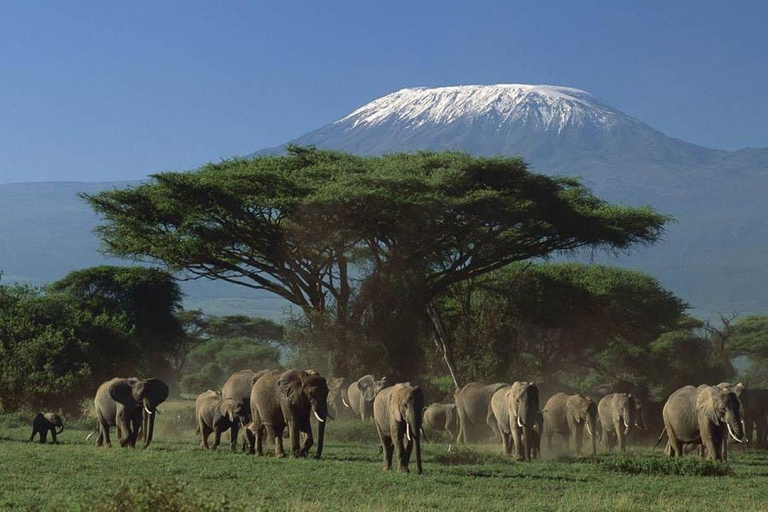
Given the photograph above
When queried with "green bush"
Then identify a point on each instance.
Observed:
(162, 497)
(658, 465)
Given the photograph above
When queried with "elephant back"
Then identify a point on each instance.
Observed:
(474, 400)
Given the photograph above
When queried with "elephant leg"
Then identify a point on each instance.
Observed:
(407, 456)
(578, 434)
(278, 435)
(43, 436)
(235, 429)
(308, 441)
(400, 452)
(260, 431)
(517, 439)
(566, 443)
(250, 438)
(295, 433)
(608, 440)
(622, 439)
(104, 433)
(549, 442)
(216, 438)
(34, 432)
(53, 436)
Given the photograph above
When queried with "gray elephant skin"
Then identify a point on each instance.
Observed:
(237, 389)
(476, 418)
(130, 405)
(338, 401)
(704, 415)
(617, 413)
(213, 414)
(442, 418)
(571, 416)
(43, 423)
(397, 413)
(289, 399)
(361, 394)
(523, 413)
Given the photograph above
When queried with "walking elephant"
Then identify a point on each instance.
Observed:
(281, 399)
(442, 418)
(213, 414)
(44, 423)
(338, 401)
(473, 405)
(523, 415)
(703, 415)
(756, 416)
(361, 393)
(569, 416)
(130, 405)
(237, 389)
(617, 413)
(397, 413)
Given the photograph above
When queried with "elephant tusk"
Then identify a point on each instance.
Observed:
(589, 429)
(626, 423)
(408, 431)
(519, 423)
(731, 432)
(321, 420)
(89, 435)
(148, 411)
(344, 402)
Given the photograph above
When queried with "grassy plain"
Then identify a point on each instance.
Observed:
(175, 474)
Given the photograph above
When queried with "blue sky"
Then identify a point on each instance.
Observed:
(100, 91)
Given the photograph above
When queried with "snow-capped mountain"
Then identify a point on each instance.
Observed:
(716, 254)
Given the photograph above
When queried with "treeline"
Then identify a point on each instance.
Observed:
(59, 342)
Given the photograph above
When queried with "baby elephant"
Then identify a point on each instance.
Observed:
(43, 423)
(214, 414)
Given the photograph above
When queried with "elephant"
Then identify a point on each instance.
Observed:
(742, 394)
(213, 414)
(360, 395)
(500, 414)
(756, 416)
(615, 410)
(523, 414)
(568, 416)
(237, 388)
(129, 405)
(702, 415)
(442, 418)
(397, 413)
(281, 399)
(44, 423)
(338, 401)
(473, 405)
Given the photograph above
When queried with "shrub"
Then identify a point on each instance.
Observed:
(657, 465)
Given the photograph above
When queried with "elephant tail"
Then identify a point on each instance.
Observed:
(661, 436)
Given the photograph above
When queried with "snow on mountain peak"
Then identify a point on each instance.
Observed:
(543, 107)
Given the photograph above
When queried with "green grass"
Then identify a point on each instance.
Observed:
(175, 474)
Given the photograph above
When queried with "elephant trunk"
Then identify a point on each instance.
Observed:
(735, 427)
(60, 429)
(413, 427)
(320, 439)
(592, 427)
(149, 423)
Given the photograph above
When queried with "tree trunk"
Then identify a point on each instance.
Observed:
(443, 342)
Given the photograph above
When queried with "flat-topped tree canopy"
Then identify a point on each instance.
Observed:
(294, 224)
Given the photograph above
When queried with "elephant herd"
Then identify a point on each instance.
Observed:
(253, 405)
(705, 416)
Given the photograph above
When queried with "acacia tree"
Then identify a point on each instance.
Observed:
(358, 242)
(541, 320)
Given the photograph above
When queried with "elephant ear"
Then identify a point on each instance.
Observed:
(705, 406)
(122, 392)
(155, 390)
(394, 403)
(289, 384)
